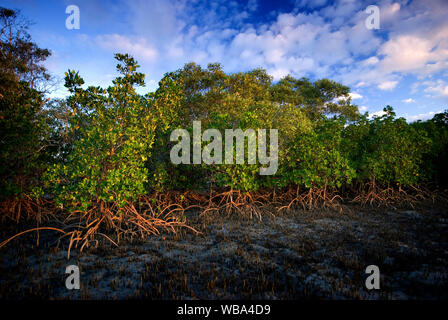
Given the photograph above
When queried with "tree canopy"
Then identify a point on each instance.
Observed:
(113, 144)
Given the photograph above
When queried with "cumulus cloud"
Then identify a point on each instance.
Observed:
(301, 44)
(422, 116)
(387, 85)
(439, 87)
(136, 46)
(355, 95)
(414, 54)
(362, 109)
(409, 100)
(377, 114)
(329, 39)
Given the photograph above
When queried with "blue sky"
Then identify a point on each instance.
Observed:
(404, 63)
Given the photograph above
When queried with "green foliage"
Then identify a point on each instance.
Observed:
(23, 130)
(113, 145)
(386, 149)
(314, 159)
(243, 177)
(316, 99)
(114, 133)
(434, 166)
(314, 149)
(219, 101)
(170, 113)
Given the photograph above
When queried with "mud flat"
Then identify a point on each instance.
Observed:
(296, 255)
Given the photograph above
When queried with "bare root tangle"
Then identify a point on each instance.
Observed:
(165, 212)
(374, 195)
(249, 204)
(148, 216)
(27, 208)
(311, 198)
(254, 204)
(184, 201)
(429, 192)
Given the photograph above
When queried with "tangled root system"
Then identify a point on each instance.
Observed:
(165, 212)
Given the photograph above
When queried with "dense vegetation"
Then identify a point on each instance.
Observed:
(119, 141)
(105, 149)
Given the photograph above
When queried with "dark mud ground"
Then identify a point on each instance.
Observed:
(297, 255)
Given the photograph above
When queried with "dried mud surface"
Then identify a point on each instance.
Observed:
(296, 255)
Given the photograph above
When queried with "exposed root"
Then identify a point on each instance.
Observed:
(165, 212)
(233, 201)
(27, 208)
(2, 244)
(149, 216)
(388, 197)
(311, 199)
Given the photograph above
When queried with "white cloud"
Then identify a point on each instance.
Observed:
(252, 5)
(414, 54)
(387, 85)
(355, 95)
(409, 100)
(277, 74)
(377, 114)
(295, 43)
(370, 61)
(351, 95)
(439, 87)
(422, 116)
(330, 41)
(137, 46)
(362, 109)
